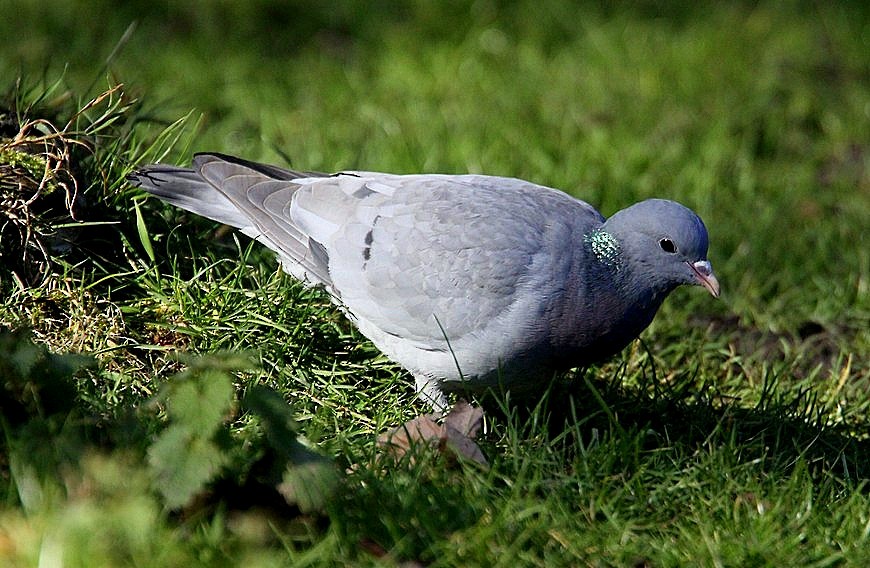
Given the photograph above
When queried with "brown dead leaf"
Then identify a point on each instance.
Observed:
(461, 445)
(453, 437)
(420, 429)
(465, 418)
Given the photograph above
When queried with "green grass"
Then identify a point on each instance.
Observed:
(734, 434)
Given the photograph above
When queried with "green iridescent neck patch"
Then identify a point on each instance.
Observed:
(604, 246)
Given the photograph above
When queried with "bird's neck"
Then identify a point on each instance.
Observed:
(615, 300)
(604, 248)
(627, 282)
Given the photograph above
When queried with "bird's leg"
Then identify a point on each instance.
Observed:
(429, 391)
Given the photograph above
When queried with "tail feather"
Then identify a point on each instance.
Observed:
(233, 191)
(186, 189)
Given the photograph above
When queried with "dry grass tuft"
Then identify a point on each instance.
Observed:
(39, 192)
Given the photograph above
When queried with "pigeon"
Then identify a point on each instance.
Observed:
(469, 282)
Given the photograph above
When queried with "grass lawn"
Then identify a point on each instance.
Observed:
(171, 398)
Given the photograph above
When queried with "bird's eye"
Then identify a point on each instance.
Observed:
(668, 245)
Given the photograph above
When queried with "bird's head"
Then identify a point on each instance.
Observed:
(664, 244)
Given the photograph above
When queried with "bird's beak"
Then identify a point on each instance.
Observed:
(704, 274)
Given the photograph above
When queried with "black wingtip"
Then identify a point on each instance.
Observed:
(153, 177)
(274, 172)
(135, 178)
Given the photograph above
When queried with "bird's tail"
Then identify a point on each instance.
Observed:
(235, 192)
(186, 188)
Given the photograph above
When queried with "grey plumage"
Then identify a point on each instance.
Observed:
(465, 280)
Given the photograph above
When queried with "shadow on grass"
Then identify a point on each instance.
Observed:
(650, 454)
(781, 430)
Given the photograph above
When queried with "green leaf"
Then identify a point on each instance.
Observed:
(277, 419)
(183, 462)
(33, 381)
(200, 400)
(310, 485)
(186, 455)
(309, 478)
(144, 237)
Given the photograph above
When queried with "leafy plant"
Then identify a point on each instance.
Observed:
(35, 382)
